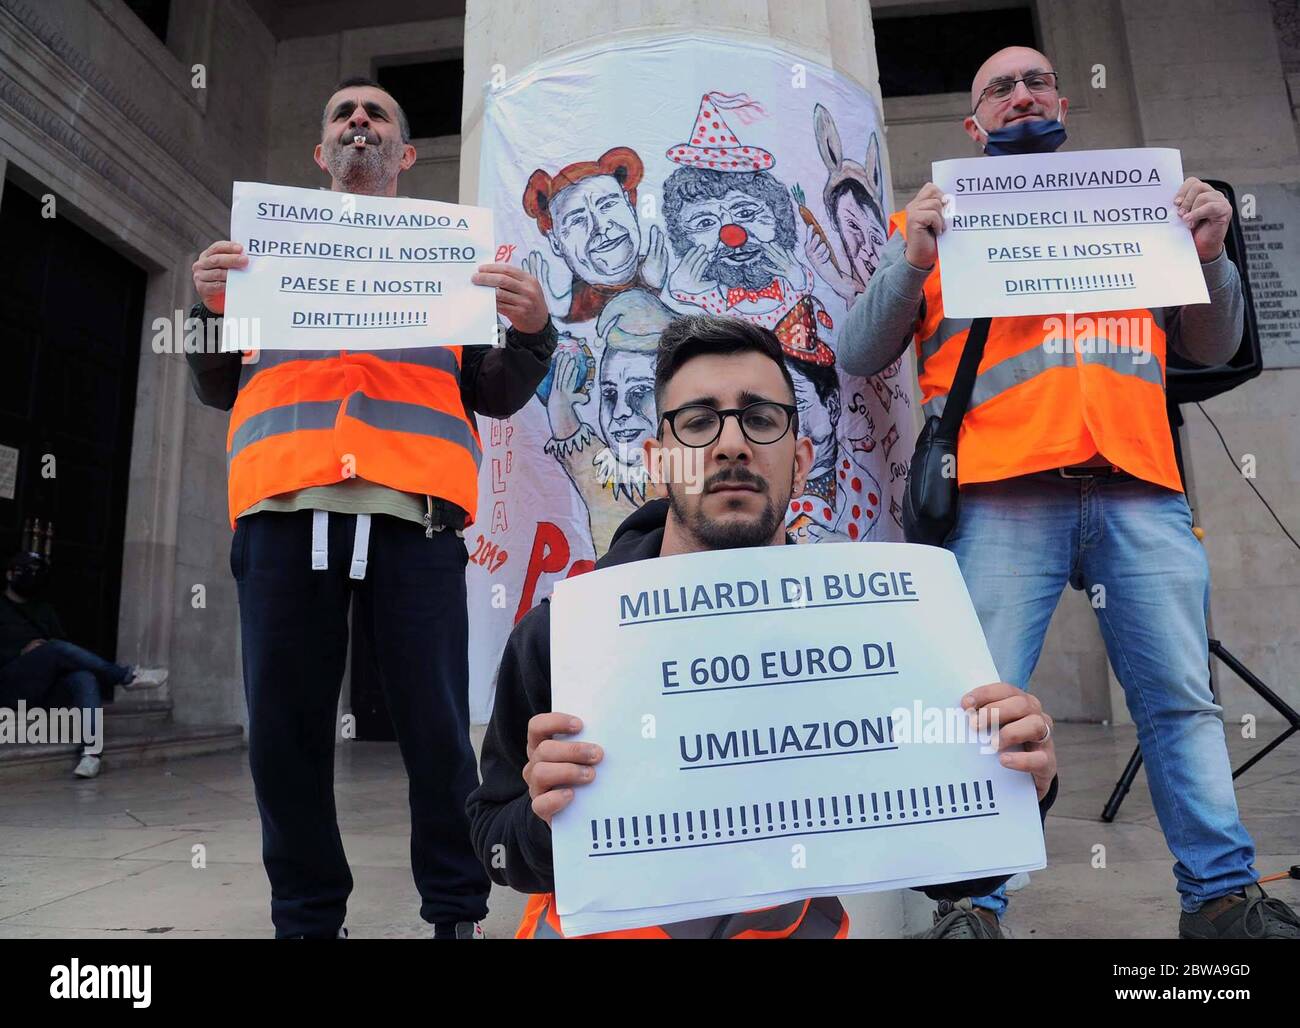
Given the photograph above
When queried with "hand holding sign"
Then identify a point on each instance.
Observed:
(1207, 213)
(924, 224)
(1021, 721)
(555, 766)
(519, 296)
(211, 269)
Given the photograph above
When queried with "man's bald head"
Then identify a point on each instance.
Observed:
(1010, 62)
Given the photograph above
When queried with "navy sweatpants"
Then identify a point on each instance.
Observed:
(411, 604)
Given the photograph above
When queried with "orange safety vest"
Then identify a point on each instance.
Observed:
(822, 918)
(394, 417)
(1045, 397)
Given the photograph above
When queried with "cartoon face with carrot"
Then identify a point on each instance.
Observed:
(853, 198)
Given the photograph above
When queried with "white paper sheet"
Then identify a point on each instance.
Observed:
(1095, 230)
(331, 271)
(733, 781)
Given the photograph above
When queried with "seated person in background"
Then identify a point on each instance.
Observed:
(721, 388)
(37, 663)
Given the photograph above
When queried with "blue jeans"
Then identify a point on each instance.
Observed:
(1020, 541)
(38, 675)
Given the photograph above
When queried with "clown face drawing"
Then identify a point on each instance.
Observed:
(587, 211)
(607, 467)
(853, 198)
(731, 225)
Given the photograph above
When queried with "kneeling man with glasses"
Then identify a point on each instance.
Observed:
(725, 405)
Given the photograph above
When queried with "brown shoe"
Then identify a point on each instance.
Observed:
(963, 920)
(1249, 914)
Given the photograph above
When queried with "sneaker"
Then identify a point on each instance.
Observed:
(963, 920)
(145, 677)
(88, 766)
(1248, 914)
(462, 930)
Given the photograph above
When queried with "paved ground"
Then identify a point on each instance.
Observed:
(113, 857)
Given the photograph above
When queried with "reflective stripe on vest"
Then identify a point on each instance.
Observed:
(821, 918)
(1051, 390)
(1023, 366)
(309, 418)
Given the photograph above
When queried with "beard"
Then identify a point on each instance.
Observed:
(753, 274)
(731, 534)
(366, 171)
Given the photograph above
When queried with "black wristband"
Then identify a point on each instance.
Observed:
(201, 311)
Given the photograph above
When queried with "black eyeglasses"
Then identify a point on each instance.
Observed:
(1000, 89)
(698, 424)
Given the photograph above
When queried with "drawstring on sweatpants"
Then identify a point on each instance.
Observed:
(320, 543)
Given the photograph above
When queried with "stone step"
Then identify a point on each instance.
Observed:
(136, 717)
(121, 749)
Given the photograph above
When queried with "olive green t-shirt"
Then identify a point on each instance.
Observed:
(350, 496)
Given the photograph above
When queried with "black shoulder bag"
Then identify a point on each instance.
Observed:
(930, 500)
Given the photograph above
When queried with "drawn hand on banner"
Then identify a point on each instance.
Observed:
(555, 766)
(211, 269)
(654, 268)
(536, 265)
(1207, 213)
(566, 395)
(1018, 719)
(924, 223)
(787, 266)
(691, 275)
(519, 296)
(819, 254)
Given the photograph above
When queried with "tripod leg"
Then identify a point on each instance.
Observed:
(1122, 786)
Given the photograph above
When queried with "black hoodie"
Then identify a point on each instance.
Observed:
(500, 810)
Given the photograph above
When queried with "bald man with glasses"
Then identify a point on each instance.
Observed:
(1067, 474)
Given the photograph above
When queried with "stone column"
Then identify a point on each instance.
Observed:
(833, 33)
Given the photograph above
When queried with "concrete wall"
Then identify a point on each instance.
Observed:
(97, 110)
(1207, 78)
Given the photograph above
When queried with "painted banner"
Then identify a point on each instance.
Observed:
(664, 177)
(777, 724)
(1095, 230)
(329, 271)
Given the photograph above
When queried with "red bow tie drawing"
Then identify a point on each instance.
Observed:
(739, 295)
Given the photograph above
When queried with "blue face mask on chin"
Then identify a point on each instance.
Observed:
(1030, 135)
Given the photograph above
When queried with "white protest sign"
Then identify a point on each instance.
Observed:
(778, 723)
(330, 271)
(1050, 233)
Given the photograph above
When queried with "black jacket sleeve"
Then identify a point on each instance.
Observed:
(496, 381)
(513, 843)
(215, 377)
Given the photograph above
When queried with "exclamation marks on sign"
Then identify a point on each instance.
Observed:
(756, 822)
(978, 804)
(595, 836)
(622, 833)
(989, 782)
(901, 812)
(663, 829)
(780, 804)
(889, 816)
(717, 824)
(731, 827)
(636, 835)
(875, 807)
(1126, 280)
(609, 839)
(744, 830)
(914, 813)
(769, 818)
(964, 797)
(952, 798)
(808, 808)
(925, 791)
(690, 828)
(677, 827)
(821, 810)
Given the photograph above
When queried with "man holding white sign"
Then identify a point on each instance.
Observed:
(354, 473)
(725, 402)
(1065, 460)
